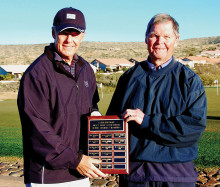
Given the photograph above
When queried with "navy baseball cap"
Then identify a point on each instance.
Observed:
(69, 18)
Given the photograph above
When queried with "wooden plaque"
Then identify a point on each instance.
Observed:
(108, 141)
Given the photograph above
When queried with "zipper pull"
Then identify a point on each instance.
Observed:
(77, 89)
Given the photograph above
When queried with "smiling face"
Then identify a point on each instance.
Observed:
(67, 43)
(161, 42)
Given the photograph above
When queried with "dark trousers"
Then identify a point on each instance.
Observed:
(123, 183)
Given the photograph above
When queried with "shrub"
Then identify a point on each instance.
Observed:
(108, 69)
(2, 77)
(9, 76)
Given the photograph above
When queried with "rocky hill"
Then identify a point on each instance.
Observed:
(25, 54)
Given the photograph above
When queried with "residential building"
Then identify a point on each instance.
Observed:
(15, 70)
(213, 54)
(114, 64)
(193, 61)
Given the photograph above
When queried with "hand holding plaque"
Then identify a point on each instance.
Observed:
(87, 167)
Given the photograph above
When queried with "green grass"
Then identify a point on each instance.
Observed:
(209, 145)
(10, 129)
(209, 150)
(213, 102)
(104, 102)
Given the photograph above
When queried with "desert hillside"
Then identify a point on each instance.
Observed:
(25, 54)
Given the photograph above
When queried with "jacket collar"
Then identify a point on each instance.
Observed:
(153, 67)
(144, 66)
(57, 61)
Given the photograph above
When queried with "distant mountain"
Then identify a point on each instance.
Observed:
(204, 41)
(26, 54)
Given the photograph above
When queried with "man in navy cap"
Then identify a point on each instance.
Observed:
(55, 92)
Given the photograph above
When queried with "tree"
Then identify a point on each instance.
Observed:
(207, 80)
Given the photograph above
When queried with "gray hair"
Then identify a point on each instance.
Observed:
(162, 18)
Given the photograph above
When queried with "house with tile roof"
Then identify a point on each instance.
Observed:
(213, 54)
(112, 63)
(15, 70)
(193, 61)
(202, 60)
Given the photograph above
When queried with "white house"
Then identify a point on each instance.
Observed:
(193, 61)
(213, 54)
(112, 63)
(16, 70)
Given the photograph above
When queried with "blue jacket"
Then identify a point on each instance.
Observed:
(51, 105)
(174, 102)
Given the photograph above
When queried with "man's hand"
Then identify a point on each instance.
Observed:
(133, 115)
(87, 168)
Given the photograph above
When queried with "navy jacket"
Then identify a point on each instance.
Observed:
(51, 103)
(174, 102)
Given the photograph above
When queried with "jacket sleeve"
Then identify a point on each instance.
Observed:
(184, 129)
(39, 137)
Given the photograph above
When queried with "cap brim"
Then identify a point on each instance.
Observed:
(63, 27)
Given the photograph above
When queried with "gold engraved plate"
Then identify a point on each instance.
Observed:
(106, 141)
(119, 135)
(106, 135)
(119, 147)
(93, 148)
(106, 159)
(119, 141)
(106, 147)
(94, 136)
(106, 153)
(106, 166)
(93, 141)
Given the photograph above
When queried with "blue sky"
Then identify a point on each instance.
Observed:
(30, 21)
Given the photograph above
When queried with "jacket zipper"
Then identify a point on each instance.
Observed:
(77, 89)
(77, 86)
(42, 175)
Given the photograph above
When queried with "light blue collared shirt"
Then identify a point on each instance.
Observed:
(153, 67)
